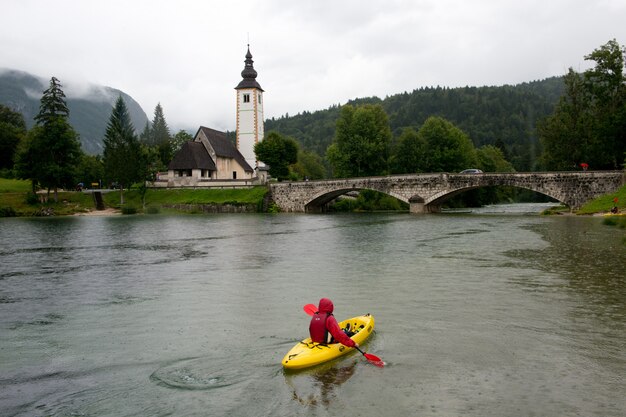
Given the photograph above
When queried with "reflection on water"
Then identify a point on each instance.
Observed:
(317, 387)
(482, 314)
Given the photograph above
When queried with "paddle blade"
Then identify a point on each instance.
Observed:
(374, 360)
(310, 309)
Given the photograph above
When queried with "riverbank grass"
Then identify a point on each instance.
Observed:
(605, 203)
(158, 199)
(17, 199)
(14, 186)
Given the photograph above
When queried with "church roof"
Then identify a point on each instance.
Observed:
(249, 74)
(192, 155)
(223, 147)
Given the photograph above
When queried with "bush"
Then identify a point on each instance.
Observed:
(7, 173)
(273, 208)
(7, 212)
(32, 199)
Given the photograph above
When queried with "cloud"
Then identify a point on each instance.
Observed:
(188, 55)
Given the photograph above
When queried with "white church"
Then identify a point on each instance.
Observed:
(211, 159)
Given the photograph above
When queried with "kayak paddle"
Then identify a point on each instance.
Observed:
(311, 309)
(373, 359)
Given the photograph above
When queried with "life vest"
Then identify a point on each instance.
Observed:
(317, 328)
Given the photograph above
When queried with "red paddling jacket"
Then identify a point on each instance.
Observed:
(323, 323)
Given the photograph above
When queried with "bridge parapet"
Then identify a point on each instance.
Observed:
(426, 192)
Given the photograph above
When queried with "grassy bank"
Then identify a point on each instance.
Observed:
(161, 197)
(16, 199)
(605, 203)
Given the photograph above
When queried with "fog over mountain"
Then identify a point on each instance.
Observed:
(90, 105)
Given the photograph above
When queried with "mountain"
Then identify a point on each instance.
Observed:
(90, 107)
(489, 115)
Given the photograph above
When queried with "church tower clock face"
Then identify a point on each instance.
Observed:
(249, 112)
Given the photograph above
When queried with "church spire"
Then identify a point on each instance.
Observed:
(250, 126)
(249, 74)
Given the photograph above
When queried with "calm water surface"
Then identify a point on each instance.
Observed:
(491, 313)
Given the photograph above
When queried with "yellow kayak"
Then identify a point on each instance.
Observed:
(306, 353)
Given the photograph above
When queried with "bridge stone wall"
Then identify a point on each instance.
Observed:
(426, 192)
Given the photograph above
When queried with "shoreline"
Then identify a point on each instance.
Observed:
(105, 212)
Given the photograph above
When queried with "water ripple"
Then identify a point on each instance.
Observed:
(198, 374)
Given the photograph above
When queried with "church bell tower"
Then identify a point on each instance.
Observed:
(249, 112)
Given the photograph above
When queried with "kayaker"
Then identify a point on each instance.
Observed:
(323, 324)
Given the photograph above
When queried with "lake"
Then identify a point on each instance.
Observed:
(494, 312)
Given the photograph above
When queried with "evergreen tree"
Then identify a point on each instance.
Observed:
(122, 152)
(52, 105)
(157, 135)
(53, 149)
(12, 131)
(146, 135)
(160, 131)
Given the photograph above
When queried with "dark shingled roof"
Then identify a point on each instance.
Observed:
(249, 74)
(192, 155)
(223, 147)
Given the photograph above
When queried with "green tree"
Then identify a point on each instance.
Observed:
(566, 134)
(122, 152)
(160, 136)
(361, 143)
(149, 164)
(90, 169)
(449, 149)
(409, 154)
(589, 122)
(160, 132)
(53, 149)
(309, 166)
(491, 159)
(12, 131)
(146, 135)
(278, 152)
(179, 139)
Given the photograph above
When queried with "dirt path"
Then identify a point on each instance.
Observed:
(105, 212)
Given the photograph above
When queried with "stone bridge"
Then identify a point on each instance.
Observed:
(425, 192)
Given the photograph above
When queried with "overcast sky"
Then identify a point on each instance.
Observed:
(188, 54)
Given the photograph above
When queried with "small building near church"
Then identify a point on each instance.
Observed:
(210, 156)
(211, 159)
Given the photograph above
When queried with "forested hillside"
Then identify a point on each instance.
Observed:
(505, 115)
(89, 112)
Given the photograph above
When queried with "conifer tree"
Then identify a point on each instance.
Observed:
(12, 130)
(53, 151)
(160, 131)
(122, 151)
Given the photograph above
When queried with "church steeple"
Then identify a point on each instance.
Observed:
(250, 126)
(249, 74)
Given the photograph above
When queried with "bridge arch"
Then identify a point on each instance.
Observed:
(319, 201)
(434, 202)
